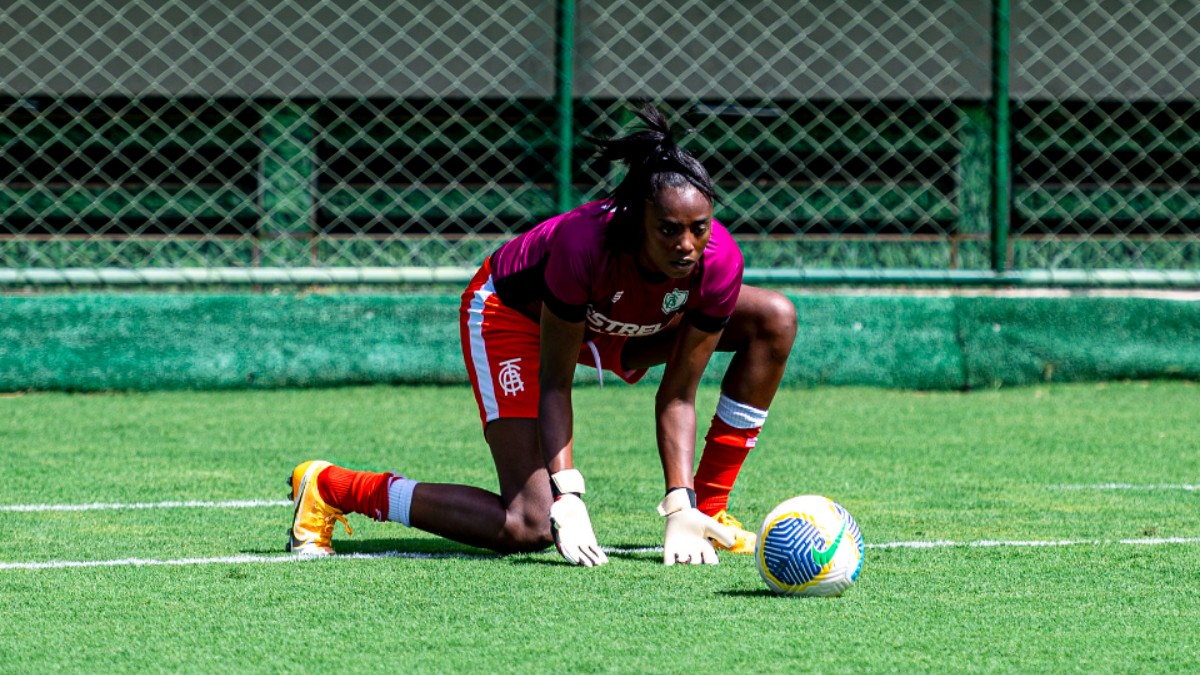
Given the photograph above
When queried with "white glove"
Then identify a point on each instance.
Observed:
(688, 530)
(570, 524)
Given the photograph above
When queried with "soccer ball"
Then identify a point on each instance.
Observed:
(809, 545)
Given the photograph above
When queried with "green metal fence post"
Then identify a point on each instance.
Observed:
(565, 79)
(1001, 178)
(286, 183)
(974, 186)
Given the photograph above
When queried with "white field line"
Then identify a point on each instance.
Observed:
(1189, 487)
(241, 504)
(1036, 543)
(152, 562)
(239, 559)
(229, 560)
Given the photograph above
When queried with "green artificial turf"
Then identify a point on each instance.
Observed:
(1015, 465)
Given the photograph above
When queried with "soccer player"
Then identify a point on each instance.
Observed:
(642, 278)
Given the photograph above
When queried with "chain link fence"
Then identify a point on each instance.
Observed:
(1106, 117)
(360, 140)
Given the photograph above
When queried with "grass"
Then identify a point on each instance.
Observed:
(910, 466)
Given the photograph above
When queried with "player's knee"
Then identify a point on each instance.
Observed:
(526, 532)
(778, 323)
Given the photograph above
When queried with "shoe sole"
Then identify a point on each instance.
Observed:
(295, 545)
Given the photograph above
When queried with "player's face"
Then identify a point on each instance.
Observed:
(676, 226)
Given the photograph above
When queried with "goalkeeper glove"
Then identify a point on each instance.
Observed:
(569, 521)
(688, 530)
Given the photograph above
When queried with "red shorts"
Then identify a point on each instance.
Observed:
(502, 349)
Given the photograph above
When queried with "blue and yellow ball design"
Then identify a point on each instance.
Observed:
(809, 545)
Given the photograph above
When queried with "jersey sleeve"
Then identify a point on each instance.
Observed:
(721, 282)
(570, 270)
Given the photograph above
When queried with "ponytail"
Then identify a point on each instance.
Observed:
(654, 162)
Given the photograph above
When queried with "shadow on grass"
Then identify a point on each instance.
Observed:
(744, 593)
(536, 559)
(551, 557)
(415, 547)
(437, 548)
(410, 545)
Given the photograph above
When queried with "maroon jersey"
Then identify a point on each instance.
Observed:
(564, 264)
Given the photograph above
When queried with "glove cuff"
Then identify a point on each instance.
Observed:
(677, 499)
(567, 480)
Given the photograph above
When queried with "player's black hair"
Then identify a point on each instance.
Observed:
(654, 162)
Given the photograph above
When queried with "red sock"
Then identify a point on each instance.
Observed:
(725, 450)
(355, 491)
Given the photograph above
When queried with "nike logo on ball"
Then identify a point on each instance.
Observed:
(822, 558)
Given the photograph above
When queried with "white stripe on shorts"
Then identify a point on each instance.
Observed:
(483, 372)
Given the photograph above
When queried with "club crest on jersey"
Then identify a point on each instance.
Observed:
(674, 300)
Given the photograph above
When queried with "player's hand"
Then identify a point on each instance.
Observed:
(688, 530)
(573, 535)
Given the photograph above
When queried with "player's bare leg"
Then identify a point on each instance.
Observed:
(760, 334)
(515, 520)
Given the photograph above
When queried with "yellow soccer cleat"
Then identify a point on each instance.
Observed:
(312, 518)
(745, 540)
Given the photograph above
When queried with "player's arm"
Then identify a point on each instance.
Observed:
(573, 535)
(687, 530)
(560, 343)
(675, 404)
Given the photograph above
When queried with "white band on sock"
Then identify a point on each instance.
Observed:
(400, 492)
(740, 415)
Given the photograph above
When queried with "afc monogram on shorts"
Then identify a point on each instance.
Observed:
(510, 377)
